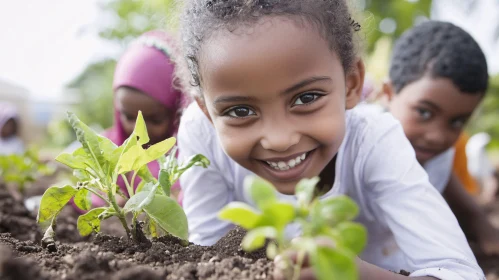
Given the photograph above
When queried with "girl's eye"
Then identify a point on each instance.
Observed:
(425, 114)
(306, 98)
(458, 124)
(240, 112)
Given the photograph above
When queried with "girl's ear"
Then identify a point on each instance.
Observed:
(387, 93)
(354, 84)
(202, 105)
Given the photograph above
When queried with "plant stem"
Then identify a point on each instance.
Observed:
(134, 227)
(133, 183)
(119, 213)
(128, 187)
(298, 265)
(97, 194)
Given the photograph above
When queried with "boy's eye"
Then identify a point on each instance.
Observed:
(458, 124)
(240, 112)
(306, 98)
(425, 114)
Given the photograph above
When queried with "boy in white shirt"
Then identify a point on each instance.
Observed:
(438, 76)
(275, 84)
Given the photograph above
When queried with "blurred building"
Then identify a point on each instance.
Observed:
(35, 114)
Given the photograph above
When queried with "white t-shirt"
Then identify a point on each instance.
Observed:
(11, 145)
(409, 224)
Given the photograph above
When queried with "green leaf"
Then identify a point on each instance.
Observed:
(195, 160)
(89, 141)
(336, 210)
(53, 200)
(140, 200)
(305, 190)
(145, 174)
(159, 149)
(329, 263)
(164, 181)
(255, 238)
(90, 221)
(278, 214)
(71, 161)
(140, 130)
(169, 215)
(129, 159)
(262, 192)
(83, 199)
(240, 214)
(353, 236)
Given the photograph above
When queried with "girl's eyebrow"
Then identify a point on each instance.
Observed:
(305, 83)
(293, 88)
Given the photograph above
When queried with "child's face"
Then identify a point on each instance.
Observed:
(433, 113)
(8, 129)
(277, 96)
(130, 101)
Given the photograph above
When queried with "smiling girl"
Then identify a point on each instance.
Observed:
(275, 84)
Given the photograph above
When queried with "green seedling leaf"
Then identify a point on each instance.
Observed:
(271, 251)
(136, 157)
(305, 190)
(262, 192)
(164, 181)
(240, 214)
(278, 214)
(160, 149)
(53, 200)
(145, 174)
(74, 162)
(89, 141)
(168, 215)
(255, 238)
(140, 130)
(195, 160)
(335, 210)
(83, 199)
(108, 213)
(333, 263)
(137, 202)
(353, 236)
(90, 221)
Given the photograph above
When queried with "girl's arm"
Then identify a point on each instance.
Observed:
(471, 217)
(205, 190)
(400, 197)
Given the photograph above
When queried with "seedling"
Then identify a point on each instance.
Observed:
(328, 218)
(98, 164)
(22, 169)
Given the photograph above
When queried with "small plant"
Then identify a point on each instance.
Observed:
(328, 218)
(22, 169)
(98, 163)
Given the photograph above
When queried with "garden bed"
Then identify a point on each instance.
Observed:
(106, 256)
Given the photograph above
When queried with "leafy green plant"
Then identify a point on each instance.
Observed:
(328, 218)
(98, 164)
(22, 169)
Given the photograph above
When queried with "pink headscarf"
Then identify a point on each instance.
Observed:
(147, 66)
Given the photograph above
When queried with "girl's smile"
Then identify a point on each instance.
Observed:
(277, 97)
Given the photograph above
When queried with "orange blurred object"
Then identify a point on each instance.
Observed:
(460, 167)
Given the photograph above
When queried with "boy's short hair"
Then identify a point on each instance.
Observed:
(440, 50)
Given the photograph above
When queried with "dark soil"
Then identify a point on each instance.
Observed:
(114, 257)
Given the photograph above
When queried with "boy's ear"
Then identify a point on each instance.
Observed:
(202, 105)
(387, 93)
(354, 84)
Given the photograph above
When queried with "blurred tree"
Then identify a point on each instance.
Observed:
(390, 18)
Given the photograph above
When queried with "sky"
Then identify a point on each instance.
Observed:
(46, 43)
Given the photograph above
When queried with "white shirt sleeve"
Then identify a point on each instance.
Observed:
(400, 196)
(206, 191)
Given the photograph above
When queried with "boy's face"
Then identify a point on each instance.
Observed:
(277, 97)
(130, 101)
(433, 112)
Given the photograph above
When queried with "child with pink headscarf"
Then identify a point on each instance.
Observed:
(10, 143)
(143, 81)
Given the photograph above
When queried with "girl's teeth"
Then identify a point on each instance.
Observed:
(281, 165)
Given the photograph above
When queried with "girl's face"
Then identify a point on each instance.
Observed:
(130, 101)
(277, 95)
(433, 113)
(8, 129)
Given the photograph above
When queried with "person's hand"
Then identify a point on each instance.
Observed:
(490, 246)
